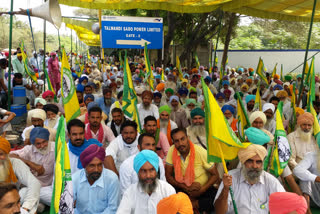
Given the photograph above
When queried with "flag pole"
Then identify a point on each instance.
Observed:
(10, 47)
(226, 171)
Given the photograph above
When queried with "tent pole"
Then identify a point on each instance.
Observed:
(10, 47)
(307, 49)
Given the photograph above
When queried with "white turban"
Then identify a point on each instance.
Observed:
(37, 113)
(40, 100)
(286, 84)
(268, 106)
(258, 114)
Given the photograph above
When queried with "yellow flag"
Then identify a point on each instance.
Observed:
(274, 72)
(68, 91)
(257, 101)
(179, 68)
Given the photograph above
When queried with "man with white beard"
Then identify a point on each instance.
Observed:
(228, 112)
(13, 170)
(40, 157)
(197, 130)
(268, 109)
(164, 123)
(308, 171)
(146, 108)
(302, 141)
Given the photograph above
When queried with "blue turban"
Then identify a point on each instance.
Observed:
(92, 84)
(167, 69)
(227, 107)
(157, 77)
(88, 96)
(74, 75)
(250, 97)
(157, 94)
(138, 79)
(208, 79)
(92, 104)
(144, 156)
(278, 87)
(220, 95)
(83, 78)
(257, 136)
(182, 91)
(80, 87)
(174, 97)
(186, 76)
(299, 76)
(240, 69)
(39, 132)
(225, 82)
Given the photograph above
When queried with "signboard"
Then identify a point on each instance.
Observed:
(131, 32)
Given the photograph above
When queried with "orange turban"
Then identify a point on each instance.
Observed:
(287, 202)
(249, 81)
(299, 110)
(250, 69)
(160, 86)
(6, 147)
(305, 118)
(282, 93)
(276, 76)
(177, 203)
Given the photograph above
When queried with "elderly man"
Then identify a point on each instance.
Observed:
(257, 120)
(250, 103)
(228, 112)
(38, 116)
(97, 130)
(77, 143)
(270, 125)
(127, 174)
(178, 114)
(53, 117)
(164, 123)
(40, 158)
(162, 144)
(302, 140)
(143, 197)
(13, 170)
(122, 146)
(247, 182)
(188, 171)
(118, 119)
(106, 101)
(95, 189)
(48, 96)
(146, 108)
(197, 130)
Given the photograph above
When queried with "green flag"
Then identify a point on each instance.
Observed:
(25, 60)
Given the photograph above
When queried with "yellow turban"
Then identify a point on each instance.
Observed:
(244, 86)
(299, 110)
(251, 151)
(306, 117)
(5, 147)
(282, 93)
(177, 203)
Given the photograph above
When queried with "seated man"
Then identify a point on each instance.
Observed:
(302, 140)
(40, 157)
(197, 130)
(5, 125)
(248, 181)
(38, 116)
(164, 123)
(146, 108)
(143, 197)
(96, 129)
(95, 189)
(106, 101)
(188, 171)
(127, 174)
(13, 170)
(10, 199)
(178, 114)
(122, 147)
(162, 144)
(309, 174)
(118, 119)
(77, 143)
(268, 109)
(53, 117)
(228, 112)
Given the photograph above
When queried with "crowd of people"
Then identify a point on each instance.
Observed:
(163, 168)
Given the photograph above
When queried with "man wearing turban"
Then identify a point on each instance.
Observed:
(53, 117)
(13, 170)
(95, 189)
(40, 157)
(177, 203)
(228, 112)
(188, 171)
(197, 130)
(247, 181)
(48, 96)
(171, 83)
(39, 102)
(106, 101)
(269, 109)
(37, 117)
(226, 85)
(302, 140)
(250, 100)
(164, 123)
(178, 114)
(146, 108)
(18, 65)
(143, 197)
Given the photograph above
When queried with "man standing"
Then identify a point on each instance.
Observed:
(118, 119)
(95, 189)
(302, 141)
(97, 130)
(146, 108)
(40, 158)
(122, 147)
(106, 101)
(178, 114)
(164, 123)
(247, 182)
(143, 197)
(127, 174)
(197, 130)
(162, 144)
(18, 65)
(188, 171)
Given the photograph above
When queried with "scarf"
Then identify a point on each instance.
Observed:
(88, 134)
(168, 130)
(86, 119)
(189, 176)
(11, 176)
(76, 150)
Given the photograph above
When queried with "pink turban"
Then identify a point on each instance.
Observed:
(90, 153)
(305, 118)
(47, 93)
(286, 202)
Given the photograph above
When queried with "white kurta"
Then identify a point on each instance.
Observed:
(143, 113)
